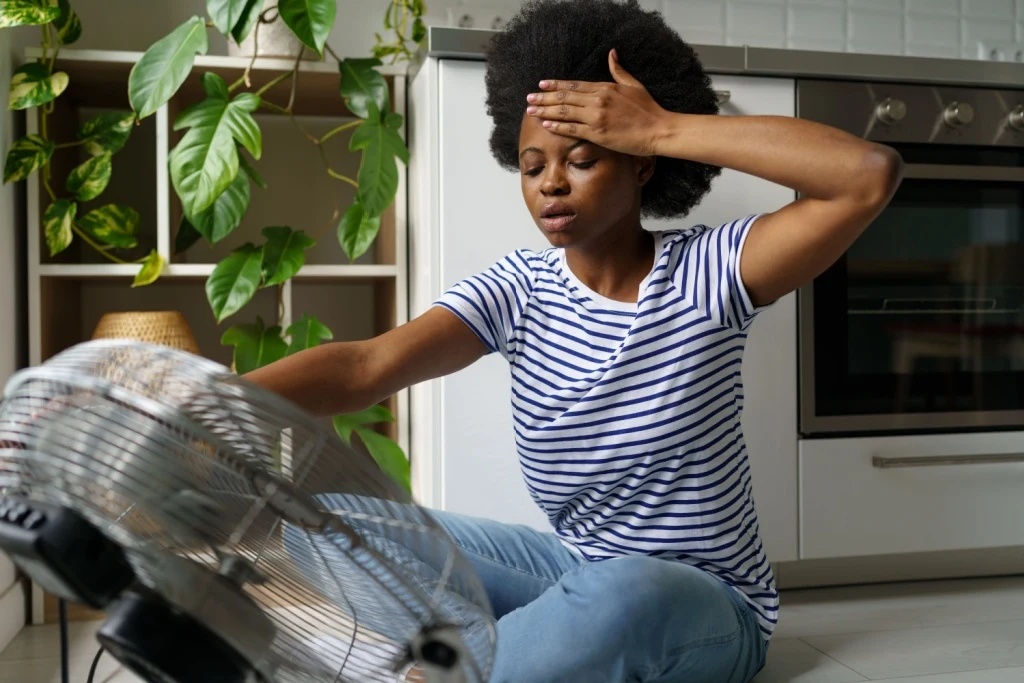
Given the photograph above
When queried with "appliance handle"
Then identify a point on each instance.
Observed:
(723, 96)
(944, 460)
(956, 172)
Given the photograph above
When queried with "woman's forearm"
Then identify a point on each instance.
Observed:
(815, 160)
(330, 379)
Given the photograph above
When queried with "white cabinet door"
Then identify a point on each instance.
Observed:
(482, 218)
(770, 362)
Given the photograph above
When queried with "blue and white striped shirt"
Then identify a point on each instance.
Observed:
(627, 415)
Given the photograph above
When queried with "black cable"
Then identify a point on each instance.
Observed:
(62, 606)
(95, 661)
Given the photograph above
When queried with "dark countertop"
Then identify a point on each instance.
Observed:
(469, 44)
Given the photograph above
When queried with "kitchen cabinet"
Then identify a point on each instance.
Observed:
(906, 494)
(466, 213)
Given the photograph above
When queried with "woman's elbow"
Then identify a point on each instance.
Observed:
(882, 172)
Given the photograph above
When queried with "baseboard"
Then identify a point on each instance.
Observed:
(907, 567)
(12, 614)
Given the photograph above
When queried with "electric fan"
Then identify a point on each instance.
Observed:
(228, 536)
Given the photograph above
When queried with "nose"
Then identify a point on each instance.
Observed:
(555, 182)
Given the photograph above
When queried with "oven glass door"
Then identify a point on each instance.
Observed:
(921, 324)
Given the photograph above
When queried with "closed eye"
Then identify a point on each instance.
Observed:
(586, 164)
(534, 171)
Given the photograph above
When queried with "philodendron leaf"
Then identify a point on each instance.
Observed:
(113, 224)
(88, 180)
(361, 82)
(26, 13)
(309, 20)
(388, 455)
(33, 85)
(345, 424)
(57, 221)
(27, 155)
(225, 14)
(107, 133)
(283, 254)
(186, 237)
(68, 25)
(225, 214)
(250, 15)
(255, 346)
(165, 66)
(378, 171)
(205, 162)
(246, 165)
(307, 333)
(234, 281)
(152, 266)
(356, 231)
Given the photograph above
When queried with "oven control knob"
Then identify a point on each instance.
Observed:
(890, 111)
(958, 114)
(1016, 118)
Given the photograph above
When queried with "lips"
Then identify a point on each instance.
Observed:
(556, 216)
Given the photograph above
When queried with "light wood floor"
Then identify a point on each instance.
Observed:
(927, 632)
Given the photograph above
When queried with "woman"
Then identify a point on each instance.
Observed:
(624, 347)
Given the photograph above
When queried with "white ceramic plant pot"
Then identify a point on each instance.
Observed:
(275, 40)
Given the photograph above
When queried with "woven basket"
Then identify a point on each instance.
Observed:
(168, 328)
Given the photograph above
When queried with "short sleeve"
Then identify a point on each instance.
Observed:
(492, 302)
(709, 270)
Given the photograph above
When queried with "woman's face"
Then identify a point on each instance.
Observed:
(578, 193)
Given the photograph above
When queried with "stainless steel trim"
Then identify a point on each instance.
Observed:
(463, 43)
(723, 96)
(805, 354)
(946, 460)
(952, 172)
(815, 425)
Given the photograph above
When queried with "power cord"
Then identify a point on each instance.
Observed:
(95, 661)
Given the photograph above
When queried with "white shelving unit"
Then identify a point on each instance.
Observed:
(68, 293)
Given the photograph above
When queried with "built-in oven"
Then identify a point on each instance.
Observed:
(920, 326)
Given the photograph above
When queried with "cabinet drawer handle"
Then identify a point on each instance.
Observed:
(943, 460)
(723, 96)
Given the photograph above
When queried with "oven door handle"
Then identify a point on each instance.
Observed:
(944, 460)
(955, 172)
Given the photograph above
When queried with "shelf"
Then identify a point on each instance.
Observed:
(210, 61)
(353, 273)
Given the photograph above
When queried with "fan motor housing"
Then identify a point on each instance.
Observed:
(63, 552)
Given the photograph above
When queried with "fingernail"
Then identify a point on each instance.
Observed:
(531, 98)
(545, 84)
(546, 124)
(531, 110)
(615, 54)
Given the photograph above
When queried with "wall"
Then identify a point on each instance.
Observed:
(926, 28)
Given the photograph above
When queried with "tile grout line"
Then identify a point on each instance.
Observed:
(908, 628)
(834, 659)
(946, 673)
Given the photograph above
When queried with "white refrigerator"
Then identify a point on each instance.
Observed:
(466, 213)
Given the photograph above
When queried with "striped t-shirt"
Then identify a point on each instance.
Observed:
(627, 415)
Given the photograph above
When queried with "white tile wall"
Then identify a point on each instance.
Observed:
(937, 28)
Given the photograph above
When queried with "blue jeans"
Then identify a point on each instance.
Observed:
(562, 619)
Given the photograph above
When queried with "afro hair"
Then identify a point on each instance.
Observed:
(570, 40)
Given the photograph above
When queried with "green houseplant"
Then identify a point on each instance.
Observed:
(212, 168)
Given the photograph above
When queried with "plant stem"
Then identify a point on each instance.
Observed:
(255, 52)
(295, 80)
(331, 52)
(331, 133)
(272, 107)
(334, 174)
(88, 240)
(65, 145)
(271, 84)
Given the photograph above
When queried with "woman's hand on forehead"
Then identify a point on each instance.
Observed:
(621, 116)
